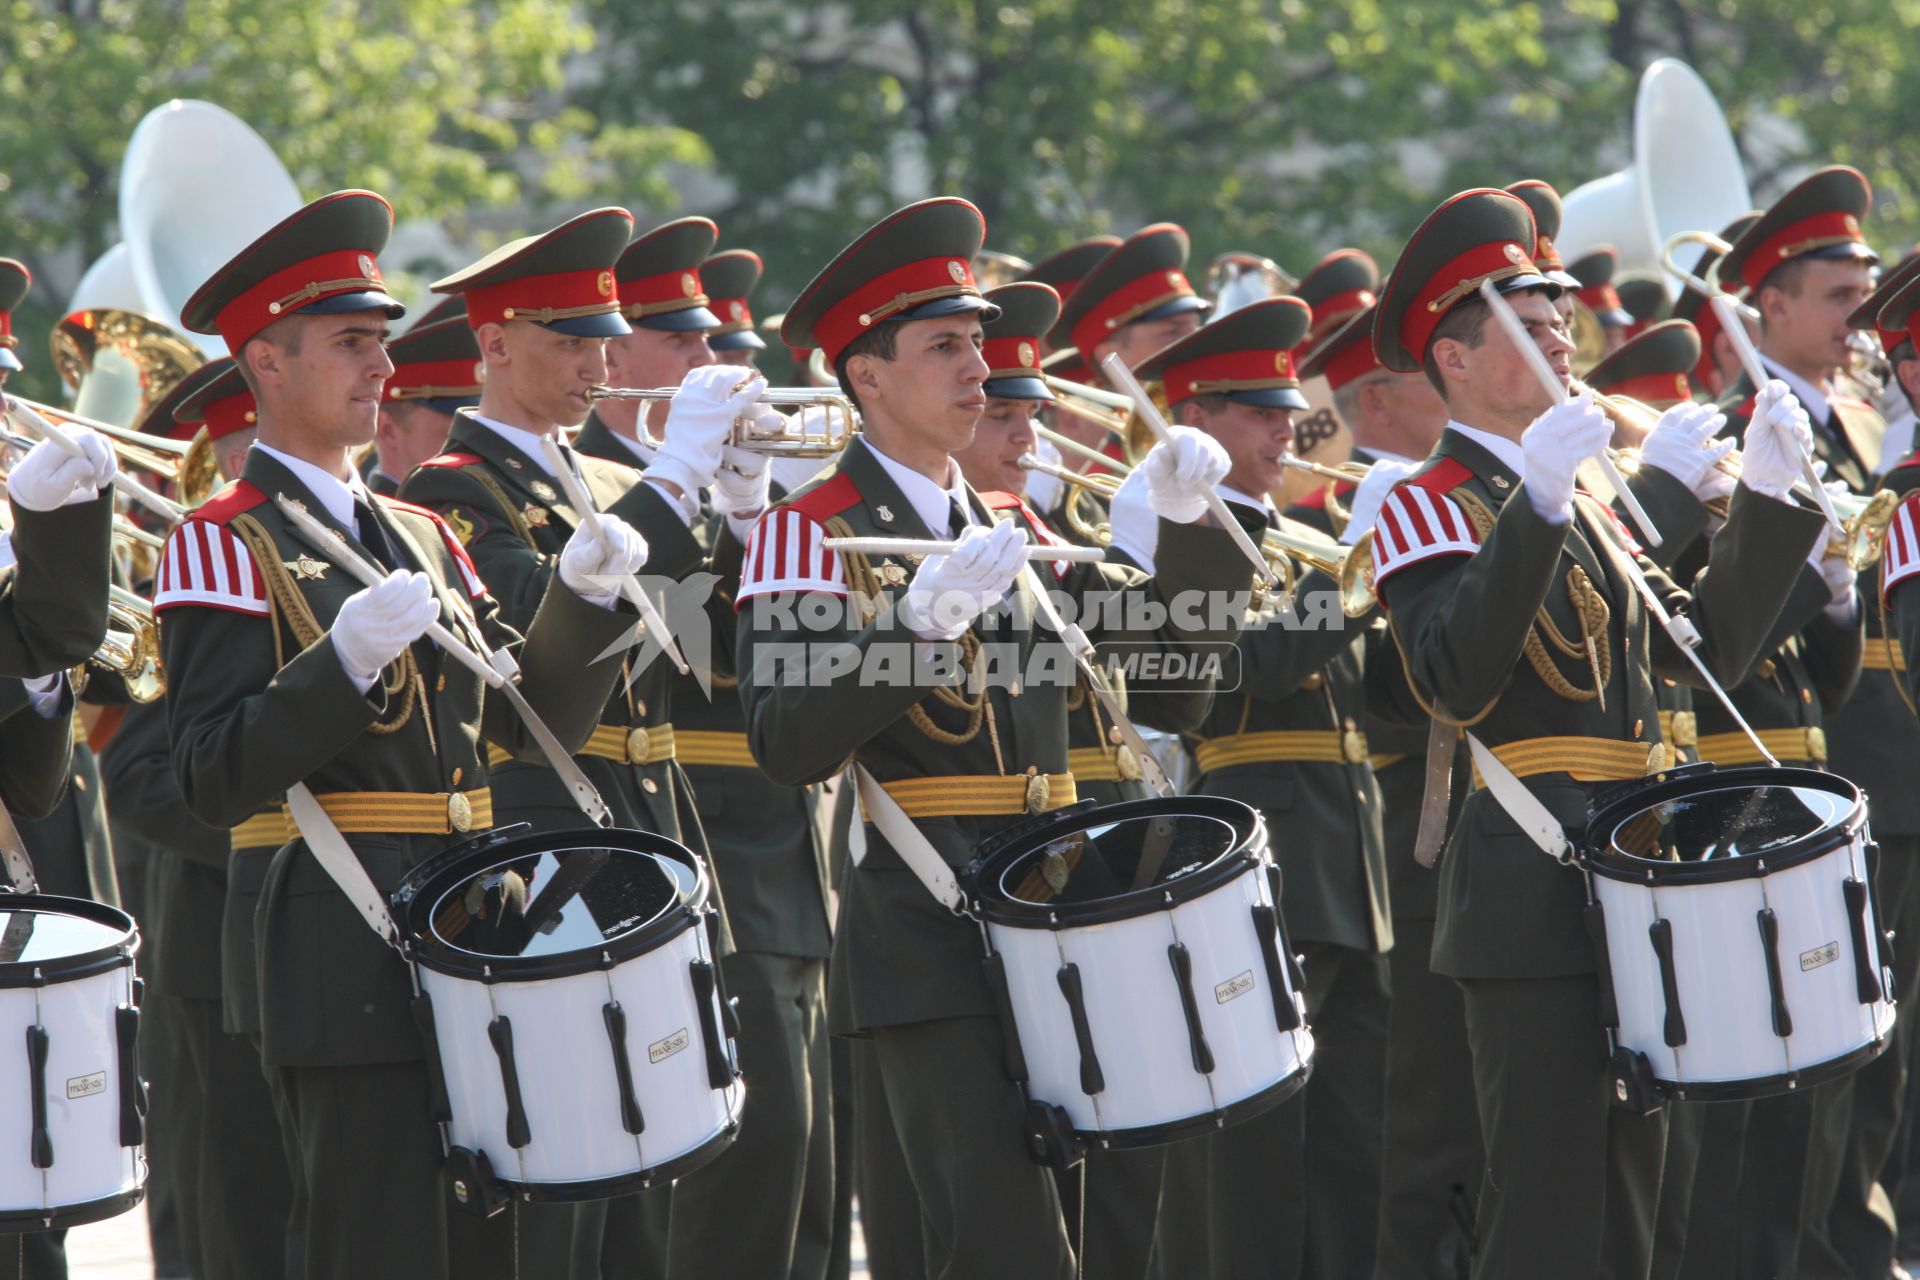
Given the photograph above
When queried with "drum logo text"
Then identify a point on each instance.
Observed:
(1819, 956)
(1233, 987)
(86, 1086)
(660, 1050)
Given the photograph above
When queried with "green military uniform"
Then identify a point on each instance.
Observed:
(1570, 1181)
(257, 702)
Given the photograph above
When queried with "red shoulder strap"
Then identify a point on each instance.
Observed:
(828, 500)
(456, 458)
(1443, 477)
(238, 497)
(1000, 500)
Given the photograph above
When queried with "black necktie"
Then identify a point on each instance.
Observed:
(372, 536)
(956, 517)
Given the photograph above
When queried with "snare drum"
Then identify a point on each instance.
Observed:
(1733, 919)
(569, 993)
(1142, 970)
(72, 1114)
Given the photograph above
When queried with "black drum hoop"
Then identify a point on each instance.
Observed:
(1613, 806)
(626, 1183)
(1773, 1085)
(426, 882)
(1159, 1135)
(105, 958)
(982, 876)
(60, 1217)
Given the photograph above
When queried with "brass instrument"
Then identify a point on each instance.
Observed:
(1137, 439)
(1351, 567)
(132, 645)
(1238, 277)
(190, 464)
(1636, 417)
(1710, 284)
(992, 269)
(1589, 337)
(1105, 409)
(794, 440)
(1344, 473)
(120, 364)
(1104, 484)
(1070, 445)
(1865, 519)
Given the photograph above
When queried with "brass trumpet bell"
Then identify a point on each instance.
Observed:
(132, 646)
(120, 363)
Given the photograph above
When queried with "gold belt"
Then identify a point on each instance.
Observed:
(1680, 729)
(618, 743)
(1317, 746)
(407, 813)
(1097, 764)
(1785, 744)
(1583, 759)
(267, 830)
(1382, 762)
(713, 747)
(1883, 655)
(981, 795)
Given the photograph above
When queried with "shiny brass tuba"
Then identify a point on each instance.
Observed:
(120, 364)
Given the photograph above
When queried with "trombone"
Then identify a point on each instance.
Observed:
(1709, 285)
(793, 440)
(1105, 409)
(190, 464)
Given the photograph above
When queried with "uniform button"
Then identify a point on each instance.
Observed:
(1806, 695)
(1113, 734)
(457, 771)
(1360, 798)
(1638, 725)
(649, 786)
(440, 685)
(79, 782)
(640, 706)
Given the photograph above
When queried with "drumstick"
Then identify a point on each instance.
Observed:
(1736, 332)
(497, 669)
(1150, 414)
(630, 590)
(1515, 330)
(1679, 629)
(168, 510)
(936, 547)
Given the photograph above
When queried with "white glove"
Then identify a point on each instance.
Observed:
(1369, 495)
(740, 485)
(592, 568)
(50, 477)
(1135, 529)
(1554, 446)
(1778, 436)
(377, 623)
(953, 589)
(1683, 444)
(698, 420)
(1834, 569)
(1182, 472)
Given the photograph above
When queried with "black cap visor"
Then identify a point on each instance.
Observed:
(680, 321)
(1016, 389)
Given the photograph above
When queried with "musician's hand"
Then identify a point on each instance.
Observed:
(1555, 445)
(1182, 472)
(377, 623)
(699, 420)
(1778, 436)
(592, 568)
(1684, 445)
(1368, 496)
(952, 589)
(1830, 562)
(50, 477)
(740, 485)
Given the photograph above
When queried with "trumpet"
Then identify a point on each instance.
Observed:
(1350, 567)
(1102, 408)
(190, 465)
(1070, 445)
(1103, 483)
(132, 645)
(794, 440)
(1709, 285)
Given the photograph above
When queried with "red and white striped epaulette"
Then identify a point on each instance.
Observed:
(1418, 521)
(469, 575)
(786, 550)
(1902, 556)
(205, 563)
(1001, 500)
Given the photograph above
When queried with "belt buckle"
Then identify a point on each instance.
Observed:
(1039, 791)
(459, 811)
(636, 746)
(1817, 744)
(1353, 745)
(1127, 763)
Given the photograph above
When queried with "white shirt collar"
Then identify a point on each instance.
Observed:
(1261, 503)
(1387, 455)
(520, 438)
(1509, 452)
(335, 494)
(1813, 399)
(929, 500)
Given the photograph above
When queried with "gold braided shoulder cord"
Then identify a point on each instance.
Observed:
(515, 520)
(286, 603)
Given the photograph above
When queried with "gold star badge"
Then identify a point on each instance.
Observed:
(307, 569)
(543, 491)
(893, 575)
(535, 515)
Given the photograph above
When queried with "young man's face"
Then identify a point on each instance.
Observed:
(550, 373)
(1254, 439)
(1004, 432)
(409, 435)
(931, 389)
(1135, 342)
(325, 377)
(1501, 376)
(1805, 328)
(656, 358)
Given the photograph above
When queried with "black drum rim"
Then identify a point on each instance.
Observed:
(1597, 857)
(1779, 1083)
(425, 883)
(1159, 1135)
(59, 1217)
(1250, 840)
(81, 964)
(624, 1183)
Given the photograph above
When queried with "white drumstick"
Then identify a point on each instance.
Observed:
(168, 510)
(1736, 332)
(933, 547)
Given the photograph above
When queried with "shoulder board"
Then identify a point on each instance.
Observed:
(205, 563)
(230, 501)
(454, 459)
(470, 576)
(1443, 477)
(827, 499)
(1901, 559)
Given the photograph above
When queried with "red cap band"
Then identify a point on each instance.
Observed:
(1820, 231)
(1495, 260)
(1014, 357)
(1656, 389)
(1126, 304)
(1229, 371)
(669, 291)
(735, 315)
(223, 417)
(1341, 306)
(1599, 297)
(433, 379)
(888, 294)
(6, 325)
(285, 292)
(561, 296)
(1355, 360)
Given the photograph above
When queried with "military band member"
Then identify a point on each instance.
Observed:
(1134, 302)
(1595, 271)
(1486, 540)
(1071, 513)
(1719, 366)
(436, 373)
(1645, 299)
(1544, 202)
(730, 277)
(897, 316)
(1064, 270)
(1336, 289)
(282, 669)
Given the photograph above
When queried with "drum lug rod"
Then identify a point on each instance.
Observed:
(38, 1046)
(1182, 962)
(1266, 927)
(1660, 933)
(1093, 1081)
(1776, 984)
(631, 1118)
(500, 1032)
(1865, 974)
(133, 1090)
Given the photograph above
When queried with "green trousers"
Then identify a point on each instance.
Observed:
(1686, 1130)
(1571, 1181)
(242, 1193)
(889, 1206)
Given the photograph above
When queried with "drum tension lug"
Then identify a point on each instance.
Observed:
(470, 1178)
(1634, 1088)
(1051, 1141)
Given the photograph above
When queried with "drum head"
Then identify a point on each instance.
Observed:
(535, 905)
(1723, 824)
(44, 937)
(1118, 860)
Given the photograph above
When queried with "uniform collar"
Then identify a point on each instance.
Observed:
(642, 453)
(1261, 503)
(1507, 452)
(519, 437)
(1367, 453)
(336, 495)
(1813, 399)
(928, 500)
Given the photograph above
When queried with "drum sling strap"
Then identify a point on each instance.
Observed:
(1533, 818)
(13, 850)
(914, 848)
